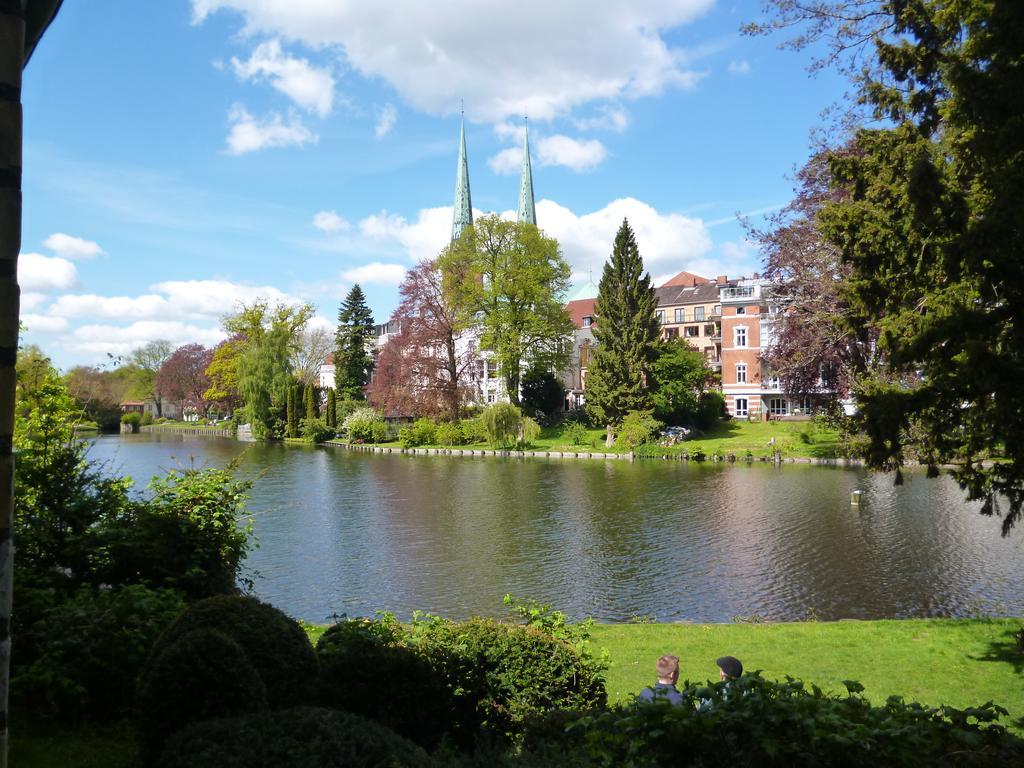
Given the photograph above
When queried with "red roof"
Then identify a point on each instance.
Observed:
(579, 309)
(329, 360)
(684, 279)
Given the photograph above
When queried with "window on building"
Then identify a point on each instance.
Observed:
(660, 314)
(740, 337)
(717, 310)
(588, 320)
(698, 314)
(710, 330)
(490, 397)
(740, 406)
(774, 382)
(671, 333)
(680, 315)
(692, 332)
(777, 406)
(741, 373)
(741, 310)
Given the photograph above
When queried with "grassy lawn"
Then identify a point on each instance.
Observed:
(933, 661)
(803, 439)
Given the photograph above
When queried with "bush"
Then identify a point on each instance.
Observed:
(187, 536)
(203, 674)
(474, 430)
(752, 721)
(295, 738)
(530, 431)
(420, 432)
(379, 432)
(147, 419)
(710, 409)
(274, 643)
(89, 650)
(315, 430)
(637, 427)
(357, 655)
(450, 434)
(135, 419)
(575, 433)
(358, 425)
(502, 422)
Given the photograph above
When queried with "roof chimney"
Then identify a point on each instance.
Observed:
(721, 280)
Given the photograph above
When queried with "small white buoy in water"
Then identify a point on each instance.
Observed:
(855, 498)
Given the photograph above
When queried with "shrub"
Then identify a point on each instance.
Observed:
(89, 650)
(506, 673)
(187, 536)
(315, 430)
(147, 419)
(356, 656)
(637, 427)
(135, 419)
(420, 432)
(710, 409)
(379, 432)
(295, 738)
(474, 430)
(752, 721)
(203, 674)
(358, 425)
(575, 433)
(274, 643)
(530, 431)
(502, 422)
(450, 434)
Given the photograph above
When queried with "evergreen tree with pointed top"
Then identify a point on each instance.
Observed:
(291, 410)
(352, 361)
(332, 409)
(627, 331)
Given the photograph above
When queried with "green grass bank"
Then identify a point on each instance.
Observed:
(959, 662)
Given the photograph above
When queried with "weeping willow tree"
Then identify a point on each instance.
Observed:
(22, 23)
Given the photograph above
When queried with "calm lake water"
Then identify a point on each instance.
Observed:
(349, 533)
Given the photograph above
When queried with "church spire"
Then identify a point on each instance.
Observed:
(463, 215)
(526, 208)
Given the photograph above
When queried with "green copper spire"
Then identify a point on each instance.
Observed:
(526, 209)
(463, 216)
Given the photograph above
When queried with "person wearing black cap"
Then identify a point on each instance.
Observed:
(729, 668)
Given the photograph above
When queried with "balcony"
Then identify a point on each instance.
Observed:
(738, 292)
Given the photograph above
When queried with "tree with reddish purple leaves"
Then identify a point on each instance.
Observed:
(422, 370)
(817, 351)
(182, 378)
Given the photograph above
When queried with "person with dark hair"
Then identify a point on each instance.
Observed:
(729, 668)
(665, 689)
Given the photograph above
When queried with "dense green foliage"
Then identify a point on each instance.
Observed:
(332, 409)
(508, 278)
(679, 377)
(273, 643)
(85, 653)
(542, 392)
(503, 422)
(201, 675)
(367, 670)
(316, 430)
(352, 360)
(627, 330)
(360, 424)
(450, 433)
(751, 721)
(133, 419)
(637, 428)
(292, 413)
(420, 432)
(295, 738)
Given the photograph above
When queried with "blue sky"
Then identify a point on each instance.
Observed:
(182, 156)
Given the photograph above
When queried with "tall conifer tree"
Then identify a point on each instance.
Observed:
(332, 409)
(308, 402)
(292, 428)
(626, 330)
(352, 361)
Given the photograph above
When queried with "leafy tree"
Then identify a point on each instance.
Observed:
(315, 344)
(352, 359)
(264, 368)
(627, 331)
(542, 391)
(222, 373)
(508, 279)
(182, 378)
(932, 231)
(679, 376)
(503, 422)
(99, 393)
(148, 359)
(422, 369)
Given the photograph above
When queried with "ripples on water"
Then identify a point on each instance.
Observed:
(350, 533)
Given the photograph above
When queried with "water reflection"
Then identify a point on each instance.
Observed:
(350, 533)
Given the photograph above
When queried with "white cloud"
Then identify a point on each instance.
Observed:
(109, 307)
(742, 251)
(375, 273)
(68, 247)
(44, 324)
(575, 154)
(31, 301)
(250, 134)
(608, 119)
(312, 88)
(43, 274)
(422, 239)
(329, 221)
(741, 67)
(102, 339)
(213, 298)
(546, 58)
(386, 117)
